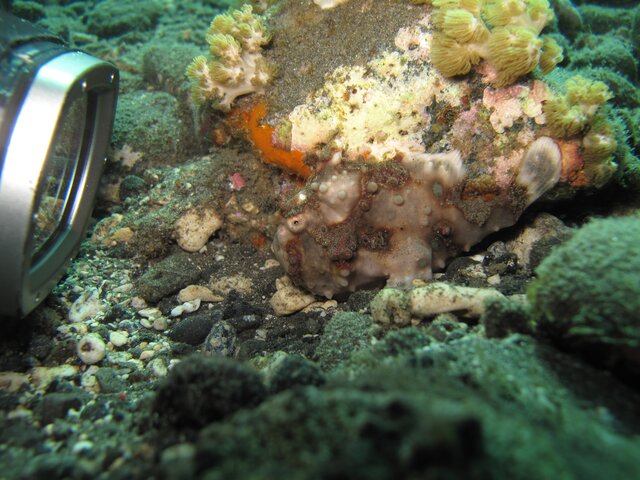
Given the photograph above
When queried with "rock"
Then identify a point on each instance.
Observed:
(586, 296)
(245, 322)
(178, 461)
(289, 299)
(187, 307)
(199, 292)
(292, 371)
(148, 129)
(86, 306)
(200, 390)
(131, 186)
(91, 349)
(119, 339)
(194, 329)
(56, 405)
(569, 18)
(43, 376)
(164, 67)
(546, 229)
(505, 316)
(401, 306)
(28, 10)
(344, 334)
(13, 381)
(109, 381)
(446, 327)
(221, 341)
(158, 368)
(112, 18)
(56, 465)
(194, 228)
(167, 276)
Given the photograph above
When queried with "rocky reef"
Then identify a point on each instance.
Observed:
(177, 346)
(409, 159)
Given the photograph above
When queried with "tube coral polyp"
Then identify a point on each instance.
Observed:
(578, 111)
(236, 66)
(505, 33)
(574, 112)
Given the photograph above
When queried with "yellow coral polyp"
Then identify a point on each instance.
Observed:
(197, 66)
(462, 25)
(540, 13)
(503, 32)
(551, 55)
(514, 51)
(263, 73)
(499, 13)
(224, 46)
(236, 66)
(563, 120)
(574, 112)
(223, 23)
(587, 92)
(598, 146)
(473, 6)
(225, 75)
(450, 57)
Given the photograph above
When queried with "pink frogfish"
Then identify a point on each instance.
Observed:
(361, 225)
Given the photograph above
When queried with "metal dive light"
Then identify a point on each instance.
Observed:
(57, 107)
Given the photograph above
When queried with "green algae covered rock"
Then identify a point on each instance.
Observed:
(200, 390)
(587, 294)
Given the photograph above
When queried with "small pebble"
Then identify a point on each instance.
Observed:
(146, 355)
(91, 349)
(160, 324)
(138, 303)
(186, 307)
(150, 313)
(193, 292)
(193, 229)
(118, 339)
(88, 305)
(221, 341)
(158, 368)
(83, 446)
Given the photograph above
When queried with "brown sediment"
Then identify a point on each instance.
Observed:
(350, 34)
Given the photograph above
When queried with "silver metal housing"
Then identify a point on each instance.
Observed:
(27, 276)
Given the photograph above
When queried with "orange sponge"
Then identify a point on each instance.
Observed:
(261, 134)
